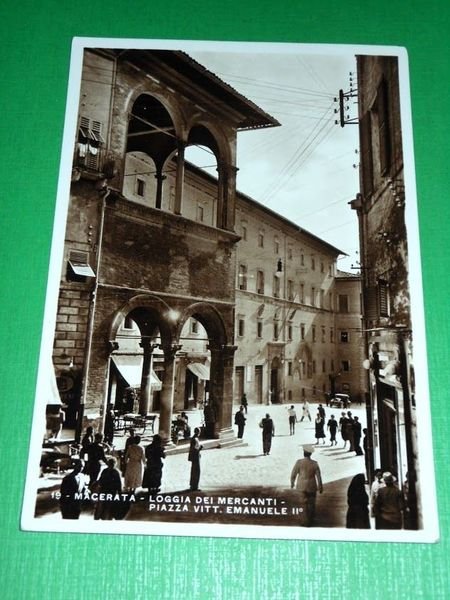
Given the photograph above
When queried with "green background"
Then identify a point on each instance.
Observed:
(35, 50)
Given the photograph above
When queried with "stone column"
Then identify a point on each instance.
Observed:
(179, 185)
(221, 388)
(159, 187)
(146, 379)
(229, 198)
(165, 416)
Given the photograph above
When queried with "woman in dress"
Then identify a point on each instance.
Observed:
(358, 504)
(154, 453)
(320, 433)
(134, 469)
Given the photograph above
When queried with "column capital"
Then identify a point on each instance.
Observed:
(171, 350)
(112, 346)
(148, 346)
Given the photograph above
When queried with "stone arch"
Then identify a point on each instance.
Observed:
(211, 320)
(206, 133)
(149, 312)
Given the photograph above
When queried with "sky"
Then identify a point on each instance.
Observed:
(306, 169)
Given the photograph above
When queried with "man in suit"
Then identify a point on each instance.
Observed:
(306, 477)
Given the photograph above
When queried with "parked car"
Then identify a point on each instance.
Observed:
(340, 401)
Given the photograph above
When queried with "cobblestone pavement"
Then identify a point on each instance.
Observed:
(246, 465)
(243, 471)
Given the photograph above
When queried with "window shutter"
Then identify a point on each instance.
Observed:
(366, 154)
(383, 127)
(371, 304)
(383, 298)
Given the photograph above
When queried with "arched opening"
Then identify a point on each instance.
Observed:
(275, 377)
(194, 364)
(151, 139)
(137, 367)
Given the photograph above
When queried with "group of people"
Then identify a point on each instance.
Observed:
(385, 502)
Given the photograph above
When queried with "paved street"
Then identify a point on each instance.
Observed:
(244, 472)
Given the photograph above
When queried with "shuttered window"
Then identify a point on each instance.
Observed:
(383, 127)
(366, 154)
(383, 298)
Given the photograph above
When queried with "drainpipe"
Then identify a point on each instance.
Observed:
(105, 191)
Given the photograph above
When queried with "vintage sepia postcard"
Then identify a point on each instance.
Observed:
(234, 339)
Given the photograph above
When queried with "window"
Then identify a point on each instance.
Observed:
(331, 335)
(313, 332)
(259, 329)
(276, 330)
(140, 187)
(260, 282)
(343, 303)
(244, 232)
(302, 293)
(323, 334)
(313, 263)
(89, 144)
(314, 367)
(128, 323)
(302, 331)
(289, 332)
(322, 299)
(313, 296)
(345, 366)
(290, 395)
(302, 260)
(242, 277)
(194, 326)
(383, 298)
(289, 253)
(324, 366)
(382, 107)
(78, 268)
(322, 267)
(276, 246)
(276, 286)
(290, 289)
(241, 327)
(344, 337)
(260, 240)
(200, 213)
(289, 368)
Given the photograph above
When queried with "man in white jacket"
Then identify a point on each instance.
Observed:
(306, 477)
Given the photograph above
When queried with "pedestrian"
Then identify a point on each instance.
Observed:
(95, 456)
(305, 411)
(332, 426)
(349, 431)
(306, 477)
(109, 485)
(319, 425)
(343, 427)
(86, 440)
(130, 438)
(376, 485)
(109, 425)
(244, 402)
(72, 489)
(239, 420)
(389, 505)
(134, 465)
(366, 453)
(268, 431)
(154, 454)
(358, 504)
(194, 458)
(292, 419)
(321, 412)
(356, 425)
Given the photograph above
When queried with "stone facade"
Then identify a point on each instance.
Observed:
(386, 300)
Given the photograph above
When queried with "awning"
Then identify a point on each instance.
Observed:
(130, 367)
(199, 369)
